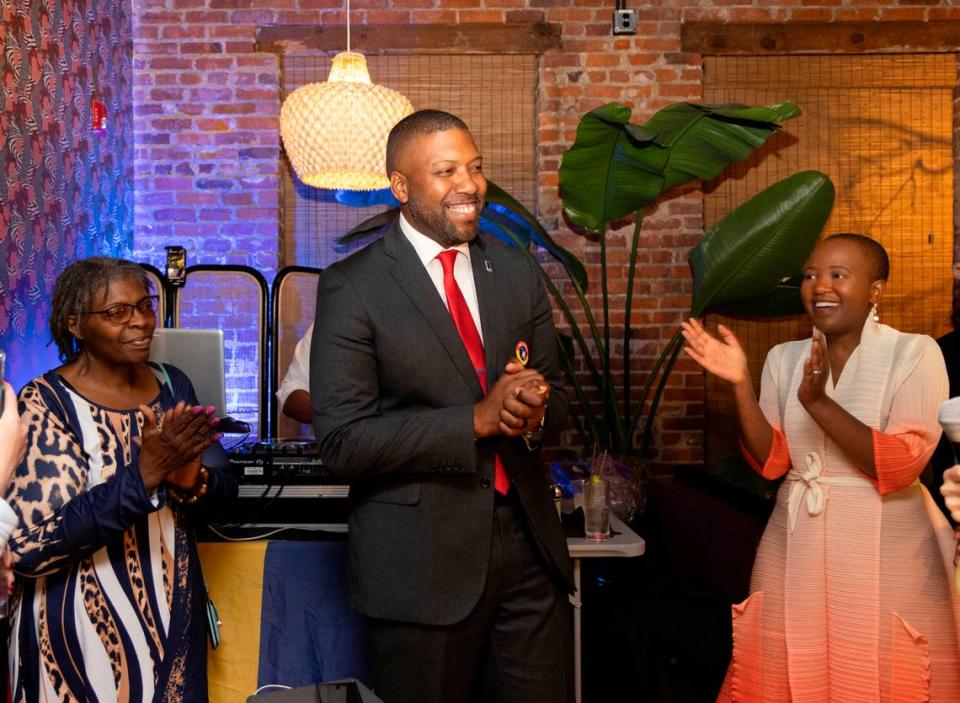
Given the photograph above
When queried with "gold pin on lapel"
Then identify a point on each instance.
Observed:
(522, 353)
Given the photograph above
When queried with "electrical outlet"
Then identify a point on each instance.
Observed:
(625, 22)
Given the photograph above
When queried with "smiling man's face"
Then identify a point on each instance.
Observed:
(440, 184)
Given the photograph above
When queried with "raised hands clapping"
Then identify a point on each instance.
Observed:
(722, 357)
(816, 369)
(170, 446)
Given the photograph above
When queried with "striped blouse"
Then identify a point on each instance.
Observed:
(109, 603)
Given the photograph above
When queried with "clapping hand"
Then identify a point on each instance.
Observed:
(722, 357)
(815, 371)
(171, 446)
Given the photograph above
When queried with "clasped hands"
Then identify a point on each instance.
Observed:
(515, 405)
(171, 445)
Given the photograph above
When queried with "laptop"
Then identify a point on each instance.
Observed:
(199, 354)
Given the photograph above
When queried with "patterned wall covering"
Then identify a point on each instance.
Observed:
(66, 190)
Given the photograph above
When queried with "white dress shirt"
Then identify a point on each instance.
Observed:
(427, 249)
(298, 373)
(297, 377)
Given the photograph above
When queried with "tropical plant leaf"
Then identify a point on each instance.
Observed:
(748, 253)
(370, 226)
(782, 300)
(701, 140)
(497, 196)
(602, 176)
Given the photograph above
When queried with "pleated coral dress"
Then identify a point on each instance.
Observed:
(851, 595)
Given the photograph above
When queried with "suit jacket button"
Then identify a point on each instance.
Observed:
(484, 483)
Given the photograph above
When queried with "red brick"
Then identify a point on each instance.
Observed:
(209, 17)
(904, 13)
(433, 17)
(943, 13)
(480, 15)
(184, 31)
(811, 14)
(397, 17)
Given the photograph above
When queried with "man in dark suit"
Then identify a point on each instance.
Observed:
(456, 552)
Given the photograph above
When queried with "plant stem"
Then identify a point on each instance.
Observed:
(651, 377)
(608, 392)
(648, 426)
(628, 309)
(589, 416)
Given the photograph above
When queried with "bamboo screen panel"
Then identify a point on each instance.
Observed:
(295, 305)
(881, 128)
(494, 94)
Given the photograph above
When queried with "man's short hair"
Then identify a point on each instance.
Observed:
(874, 251)
(414, 125)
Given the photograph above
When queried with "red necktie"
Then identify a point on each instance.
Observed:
(471, 340)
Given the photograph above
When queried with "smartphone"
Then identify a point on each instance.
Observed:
(176, 265)
(3, 388)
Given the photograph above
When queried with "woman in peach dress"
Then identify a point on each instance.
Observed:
(851, 597)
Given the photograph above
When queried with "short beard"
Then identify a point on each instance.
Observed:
(438, 227)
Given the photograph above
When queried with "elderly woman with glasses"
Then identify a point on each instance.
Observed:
(110, 602)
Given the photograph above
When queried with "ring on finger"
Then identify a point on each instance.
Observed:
(816, 372)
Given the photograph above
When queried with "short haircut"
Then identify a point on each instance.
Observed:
(874, 251)
(419, 123)
(75, 290)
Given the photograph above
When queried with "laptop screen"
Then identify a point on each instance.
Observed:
(199, 354)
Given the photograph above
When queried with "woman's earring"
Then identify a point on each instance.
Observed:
(875, 313)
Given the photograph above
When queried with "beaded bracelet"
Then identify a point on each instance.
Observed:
(196, 494)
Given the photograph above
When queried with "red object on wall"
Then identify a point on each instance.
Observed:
(98, 112)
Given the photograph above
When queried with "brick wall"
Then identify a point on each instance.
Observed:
(207, 149)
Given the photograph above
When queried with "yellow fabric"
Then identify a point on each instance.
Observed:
(234, 575)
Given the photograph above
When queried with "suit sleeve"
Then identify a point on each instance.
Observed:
(356, 439)
(905, 446)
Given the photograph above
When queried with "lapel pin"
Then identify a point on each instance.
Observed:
(522, 353)
(488, 266)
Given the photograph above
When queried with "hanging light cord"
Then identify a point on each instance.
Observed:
(348, 25)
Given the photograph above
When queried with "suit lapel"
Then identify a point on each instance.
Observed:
(491, 308)
(413, 279)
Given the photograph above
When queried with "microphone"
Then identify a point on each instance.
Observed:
(949, 417)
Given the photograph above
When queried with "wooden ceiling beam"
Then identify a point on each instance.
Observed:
(725, 38)
(371, 39)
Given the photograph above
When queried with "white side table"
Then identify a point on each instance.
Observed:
(625, 544)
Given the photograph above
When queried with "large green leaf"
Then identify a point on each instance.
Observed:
(701, 140)
(615, 168)
(536, 232)
(602, 176)
(782, 300)
(748, 253)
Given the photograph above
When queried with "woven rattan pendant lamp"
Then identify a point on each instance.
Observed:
(335, 132)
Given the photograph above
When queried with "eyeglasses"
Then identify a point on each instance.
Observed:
(122, 313)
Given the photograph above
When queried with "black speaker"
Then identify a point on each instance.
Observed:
(345, 691)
